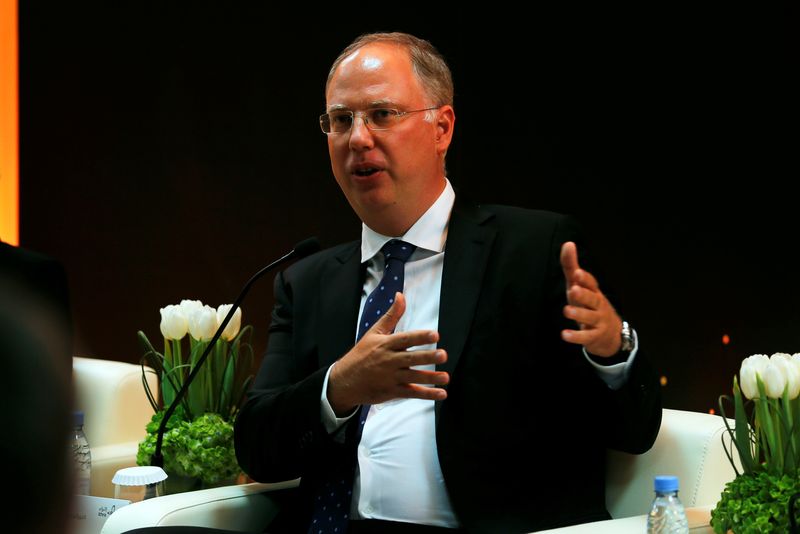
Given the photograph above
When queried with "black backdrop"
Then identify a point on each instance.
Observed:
(170, 151)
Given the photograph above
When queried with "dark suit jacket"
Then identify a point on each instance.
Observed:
(522, 435)
(35, 286)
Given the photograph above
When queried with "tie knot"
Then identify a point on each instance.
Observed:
(397, 250)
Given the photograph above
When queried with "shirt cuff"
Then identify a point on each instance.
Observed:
(329, 420)
(615, 375)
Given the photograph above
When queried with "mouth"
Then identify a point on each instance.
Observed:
(366, 171)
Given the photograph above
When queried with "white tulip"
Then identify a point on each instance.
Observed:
(189, 306)
(203, 323)
(774, 379)
(232, 329)
(795, 359)
(752, 367)
(174, 323)
(790, 369)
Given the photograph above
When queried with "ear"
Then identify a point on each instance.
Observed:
(445, 122)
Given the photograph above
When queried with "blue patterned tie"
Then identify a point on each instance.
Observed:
(332, 501)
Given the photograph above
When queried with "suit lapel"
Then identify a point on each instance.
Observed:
(469, 243)
(467, 252)
(340, 296)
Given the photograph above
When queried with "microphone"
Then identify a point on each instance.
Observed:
(302, 249)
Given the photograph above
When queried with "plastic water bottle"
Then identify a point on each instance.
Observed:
(667, 515)
(81, 455)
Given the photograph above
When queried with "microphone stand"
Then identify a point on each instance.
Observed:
(302, 249)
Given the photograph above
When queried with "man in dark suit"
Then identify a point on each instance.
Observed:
(473, 402)
(36, 358)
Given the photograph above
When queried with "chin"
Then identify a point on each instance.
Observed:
(376, 200)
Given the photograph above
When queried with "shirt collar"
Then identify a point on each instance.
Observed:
(428, 233)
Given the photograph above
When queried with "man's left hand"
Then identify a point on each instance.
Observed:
(600, 325)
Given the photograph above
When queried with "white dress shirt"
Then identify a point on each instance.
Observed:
(399, 477)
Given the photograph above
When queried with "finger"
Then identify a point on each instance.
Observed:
(415, 391)
(585, 298)
(415, 338)
(414, 376)
(387, 323)
(569, 261)
(403, 359)
(586, 279)
(415, 358)
(579, 337)
(582, 316)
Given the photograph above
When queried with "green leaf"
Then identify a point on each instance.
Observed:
(216, 385)
(153, 359)
(177, 358)
(244, 371)
(795, 428)
(168, 386)
(200, 448)
(777, 435)
(168, 352)
(764, 421)
(146, 346)
(755, 503)
(197, 390)
(226, 391)
(239, 400)
(787, 430)
(743, 430)
(151, 397)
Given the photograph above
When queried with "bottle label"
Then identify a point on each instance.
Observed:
(82, 464)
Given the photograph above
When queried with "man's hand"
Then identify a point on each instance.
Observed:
(378, 368)
(600, 326)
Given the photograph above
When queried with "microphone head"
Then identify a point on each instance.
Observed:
(306, 247)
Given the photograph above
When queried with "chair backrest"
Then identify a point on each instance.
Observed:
(112, 398)
(689, 446)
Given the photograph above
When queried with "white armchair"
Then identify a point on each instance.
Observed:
(246, 508)
(688, 446)
(116, 410)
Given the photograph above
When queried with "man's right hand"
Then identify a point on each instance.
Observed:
(378, 368)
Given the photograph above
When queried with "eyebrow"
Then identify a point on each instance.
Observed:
(382, 103)
(372, 105)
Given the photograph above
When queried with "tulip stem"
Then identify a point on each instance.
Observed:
(177, 359)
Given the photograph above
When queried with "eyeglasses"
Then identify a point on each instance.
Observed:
(337, 122)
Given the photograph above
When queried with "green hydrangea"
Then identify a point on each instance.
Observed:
(202, 448)
(756, 503)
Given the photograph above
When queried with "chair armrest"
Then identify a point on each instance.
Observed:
(699, 519)
(246, 507)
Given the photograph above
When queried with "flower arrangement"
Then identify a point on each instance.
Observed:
(766, 437)
(199, 438)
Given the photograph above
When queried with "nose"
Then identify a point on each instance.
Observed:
(360, 136)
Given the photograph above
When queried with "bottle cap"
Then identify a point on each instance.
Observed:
(77, 418)
(666, 483)
(139, 476)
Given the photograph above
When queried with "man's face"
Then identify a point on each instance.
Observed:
(395, 174)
